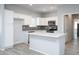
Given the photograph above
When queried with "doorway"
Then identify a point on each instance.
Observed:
(71, 26)
(76, 26)
(19, 35)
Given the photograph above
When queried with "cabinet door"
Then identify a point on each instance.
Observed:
(42, 21)
(8, 28)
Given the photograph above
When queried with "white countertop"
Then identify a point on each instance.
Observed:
(46, 34)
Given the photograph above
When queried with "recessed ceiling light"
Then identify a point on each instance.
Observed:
(30, 4)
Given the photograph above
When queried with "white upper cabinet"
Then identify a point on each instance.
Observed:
(44, 21)
(27, 18)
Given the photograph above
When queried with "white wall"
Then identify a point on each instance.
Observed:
(1, 25)
(8, 28)
(1, 17)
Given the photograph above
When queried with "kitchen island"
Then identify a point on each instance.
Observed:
(47, 43)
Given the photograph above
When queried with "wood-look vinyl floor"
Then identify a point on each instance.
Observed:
(19, 49)
(71, 48)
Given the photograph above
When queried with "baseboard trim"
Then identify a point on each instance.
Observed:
(38, 51)
(20, 42)
(3, 49)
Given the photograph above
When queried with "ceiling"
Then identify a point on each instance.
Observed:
(40, 8)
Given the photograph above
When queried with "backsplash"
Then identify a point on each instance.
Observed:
(39, 27)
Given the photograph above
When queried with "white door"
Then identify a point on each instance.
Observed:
(19, 36)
